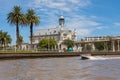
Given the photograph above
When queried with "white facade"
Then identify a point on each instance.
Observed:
(58, 33)
(25, 46)
(110, 43)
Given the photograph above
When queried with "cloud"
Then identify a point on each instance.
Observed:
(63, 5)
(50, 11)
(83, 32)
(84, 25)
(117, 23)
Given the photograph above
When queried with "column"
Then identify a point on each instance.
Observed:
(55, 47)
(118, 45)
(85, 48)
(113, 46)
(79, 49)
(105, 46)
(93, 47)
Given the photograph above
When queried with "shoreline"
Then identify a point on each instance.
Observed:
(21, 55)
(38, 55)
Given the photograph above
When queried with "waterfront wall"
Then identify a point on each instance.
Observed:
(9, 55)
(38, 55)
(104, 53)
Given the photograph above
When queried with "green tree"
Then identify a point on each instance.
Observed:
(43, 43)
(18, 18)
(88, 47)
(5, 39)
(1, 40)
(20, 40)
(69, 43)
(99, 45)
(47, 43)
(53, 43)
(33, 19)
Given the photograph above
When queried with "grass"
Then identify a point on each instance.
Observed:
(24, 51)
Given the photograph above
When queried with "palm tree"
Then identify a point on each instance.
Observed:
(0, 38)
(33, 19)
(5, 39)
(18, 18)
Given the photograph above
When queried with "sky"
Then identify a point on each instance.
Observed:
(88, 17)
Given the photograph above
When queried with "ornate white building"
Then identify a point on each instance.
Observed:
(58, 33)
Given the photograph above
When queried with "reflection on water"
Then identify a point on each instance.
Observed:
(60, 69)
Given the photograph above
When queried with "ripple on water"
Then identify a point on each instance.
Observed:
(59, 69)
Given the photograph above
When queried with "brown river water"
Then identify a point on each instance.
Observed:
(71, 68)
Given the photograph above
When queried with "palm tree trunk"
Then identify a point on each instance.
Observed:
(31, 34)
(17, 34)
(4, 43)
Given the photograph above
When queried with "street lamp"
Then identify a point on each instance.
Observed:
(48, 39)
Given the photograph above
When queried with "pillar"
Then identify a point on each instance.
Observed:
(93, 47)
(105, 46)
(55, 47)
(79, 48)
(118, 45)
(85, 48)
(113, 46)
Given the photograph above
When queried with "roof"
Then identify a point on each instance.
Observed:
(47, 31)
(52, 31)
(61, 17)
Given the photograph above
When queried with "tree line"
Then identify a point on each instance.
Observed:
(52, 43)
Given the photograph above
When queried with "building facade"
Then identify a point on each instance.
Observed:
(103, 43)
(59, 33)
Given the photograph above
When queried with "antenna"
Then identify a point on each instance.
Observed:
(61, 13)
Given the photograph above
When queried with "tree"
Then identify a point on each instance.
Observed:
(18, 18)
(33, 19)
(5, 39)
(1, 40)
(53, 43)
(0, 37)
(47, 43)
(43, 43)
(88, 47)
(99, 45)
(69, 43)
(20, 40)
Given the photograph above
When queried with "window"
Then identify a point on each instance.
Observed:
(64, 34)
(33, 40)
(54, 31)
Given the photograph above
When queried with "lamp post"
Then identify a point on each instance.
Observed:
(48, 39)
(48, 44)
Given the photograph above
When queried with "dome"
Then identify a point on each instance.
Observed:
(61, 17)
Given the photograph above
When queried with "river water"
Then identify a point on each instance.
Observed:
(71, 68)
